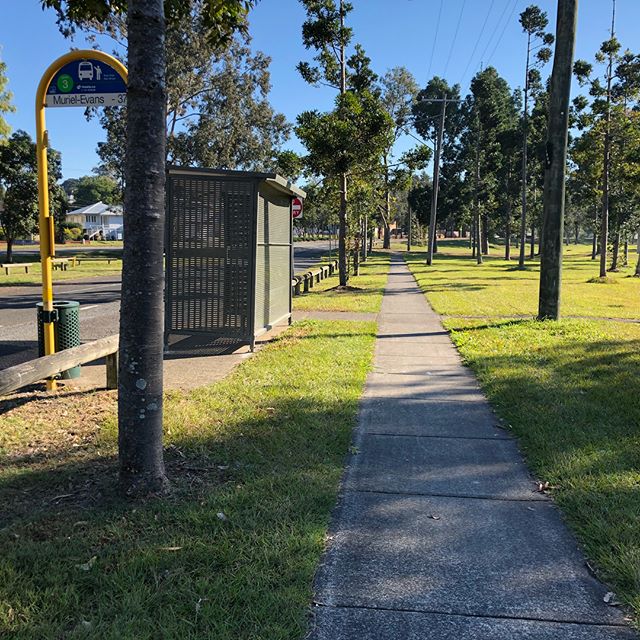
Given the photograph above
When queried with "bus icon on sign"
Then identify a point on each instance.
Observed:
(85, 71)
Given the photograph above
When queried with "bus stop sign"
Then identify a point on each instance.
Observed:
(86, 83)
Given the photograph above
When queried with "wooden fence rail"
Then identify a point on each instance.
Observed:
(33, 371)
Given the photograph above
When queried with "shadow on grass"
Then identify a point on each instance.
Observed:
(254, 461)
(571, 397)
(241, 532)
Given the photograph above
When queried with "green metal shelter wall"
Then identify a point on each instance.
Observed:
(273, 257)
(209, 253)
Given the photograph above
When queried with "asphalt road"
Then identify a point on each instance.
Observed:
(99, 300)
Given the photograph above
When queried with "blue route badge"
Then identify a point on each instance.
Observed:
(86, 83)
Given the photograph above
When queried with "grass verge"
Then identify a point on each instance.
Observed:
(88, 268)
(364, 297)
(255, 462)
(458, 286)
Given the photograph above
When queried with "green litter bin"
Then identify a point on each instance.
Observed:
(66, 331)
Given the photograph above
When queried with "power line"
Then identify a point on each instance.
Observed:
(484, 24)
(495, 30)
(455, 36)
(433, 48)
(506, 24)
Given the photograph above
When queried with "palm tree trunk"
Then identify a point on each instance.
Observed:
(142, 321)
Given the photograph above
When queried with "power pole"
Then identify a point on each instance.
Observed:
(408, 227)
(554, 182)
(436, 181)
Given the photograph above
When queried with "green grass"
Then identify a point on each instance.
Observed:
(263, 448)
(568, 390)
(458, 286)
(88, 268)
(364, 297)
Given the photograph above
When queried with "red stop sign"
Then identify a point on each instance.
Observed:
(296, 207)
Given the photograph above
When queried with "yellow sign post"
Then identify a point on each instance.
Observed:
(81, 78)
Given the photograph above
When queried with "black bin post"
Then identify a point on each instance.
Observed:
(66, 331)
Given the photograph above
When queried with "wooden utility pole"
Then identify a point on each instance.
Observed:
(436, 182)
(554, 181)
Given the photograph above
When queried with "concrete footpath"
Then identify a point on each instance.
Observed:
(439, 533)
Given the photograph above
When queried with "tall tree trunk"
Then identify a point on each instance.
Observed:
(576, 233)
(436, 184)
(408, 229)
(594, 245)
(616, 252)
(604, 222)
(507, 233)
(484, 235)
(478, 236)
(532, 245)
(525, 127)
(556, 163)
(365, 236)
(343, 267)
(142, 321)
(626, 253)
(474, 243)
(637, 271)
(9, 258)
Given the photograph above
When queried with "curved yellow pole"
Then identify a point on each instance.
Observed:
(47, 239)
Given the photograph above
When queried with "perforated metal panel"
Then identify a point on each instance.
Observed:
(210, 225)
(228, 252)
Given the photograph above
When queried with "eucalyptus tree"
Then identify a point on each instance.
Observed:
(534, 22)
(141, 327)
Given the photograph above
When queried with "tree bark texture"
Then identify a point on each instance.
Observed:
(556, 161)
(507, 234)
(615, 253)
(343, 266)
(142, 307)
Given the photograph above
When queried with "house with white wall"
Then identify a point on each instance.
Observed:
(99, 219)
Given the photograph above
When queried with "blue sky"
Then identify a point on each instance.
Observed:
(393, 33)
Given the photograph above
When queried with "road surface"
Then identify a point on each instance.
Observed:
(99, 300)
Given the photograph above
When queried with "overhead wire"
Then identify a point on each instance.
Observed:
(475, 47)
(495, 30)
(455, 37)
(435, 40)
(506, 24)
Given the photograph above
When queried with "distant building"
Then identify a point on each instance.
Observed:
(99, 220)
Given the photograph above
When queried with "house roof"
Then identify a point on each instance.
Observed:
(97, 208)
